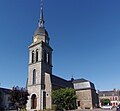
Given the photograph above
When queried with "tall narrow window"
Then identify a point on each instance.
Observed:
(116, 98)
(32, 56)
(44, 100)
(34, 76)
(36, 55)
(49, 59)
(45, 57)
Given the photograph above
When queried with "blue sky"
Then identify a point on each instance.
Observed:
(84, 35)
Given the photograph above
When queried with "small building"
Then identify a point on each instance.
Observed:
(4, 98)
(113, 96)
(87, 98)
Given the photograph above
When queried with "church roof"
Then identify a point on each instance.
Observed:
(57, 81)
(80, 84)
(80, 80)
(41, 31)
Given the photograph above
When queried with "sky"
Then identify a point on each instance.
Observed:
(84, 35)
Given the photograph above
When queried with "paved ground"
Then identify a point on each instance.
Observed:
(85, 110)
(94, 110)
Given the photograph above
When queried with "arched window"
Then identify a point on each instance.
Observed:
(34, 76)
(33, 102)
(36, 55)
(32, 56)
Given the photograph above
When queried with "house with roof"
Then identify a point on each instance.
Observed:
(4, 98)
(87, 98)
(112, 95)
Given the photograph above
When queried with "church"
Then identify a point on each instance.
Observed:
(41, 81)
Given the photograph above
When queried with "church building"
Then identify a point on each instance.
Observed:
(41, 81)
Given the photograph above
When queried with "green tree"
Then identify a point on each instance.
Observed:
(19, 97)
(105, 101)
(64, 98)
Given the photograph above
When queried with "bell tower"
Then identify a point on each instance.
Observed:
(39, 68)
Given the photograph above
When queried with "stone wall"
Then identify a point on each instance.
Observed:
(85, 98)
(48, 89)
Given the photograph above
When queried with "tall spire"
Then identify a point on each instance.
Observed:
(41, 22)
(41, 29)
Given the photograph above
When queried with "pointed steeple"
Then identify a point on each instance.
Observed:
(41, 31)
(41, 22)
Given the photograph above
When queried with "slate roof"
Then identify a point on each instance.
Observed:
(6, 91)
(60, 82)
(41, 31)
(80, 84)
(80, 80)
(109, 93)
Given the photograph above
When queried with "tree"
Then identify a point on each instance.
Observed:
(105, 101)
(19, 97)
(64, 98)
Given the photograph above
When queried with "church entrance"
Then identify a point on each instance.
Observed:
(33, 102)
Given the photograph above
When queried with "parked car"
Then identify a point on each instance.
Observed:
(106, 107)
(118, 108)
